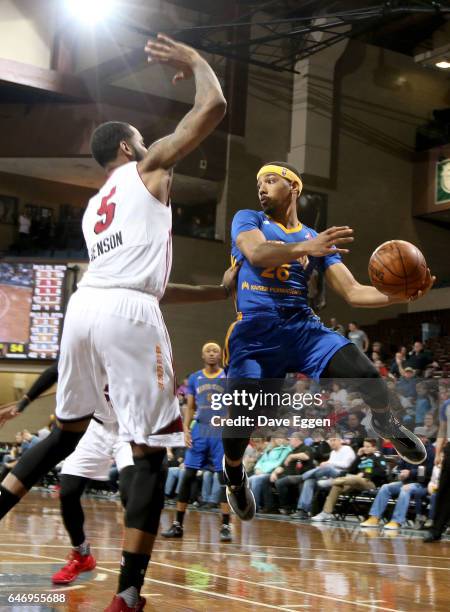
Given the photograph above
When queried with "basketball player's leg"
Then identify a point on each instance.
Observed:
(192, 463)
(90, 461)
(348, 362)
(141, 388)
(38, 461)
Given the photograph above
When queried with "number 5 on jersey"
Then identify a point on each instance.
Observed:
(107, 209)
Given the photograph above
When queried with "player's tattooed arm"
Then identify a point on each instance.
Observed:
(188, 294)
(208, 110)
(342, 281)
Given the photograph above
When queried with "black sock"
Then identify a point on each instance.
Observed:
(132, 571)
(7, 501)
(234, 473)
(180, 517)
(225, 519)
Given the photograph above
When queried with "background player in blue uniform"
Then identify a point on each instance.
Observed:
(204, 441)
(277, 332)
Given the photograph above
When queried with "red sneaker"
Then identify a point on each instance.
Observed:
(119, 605)
(76, 564)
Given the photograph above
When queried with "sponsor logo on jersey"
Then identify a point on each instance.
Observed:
(245, 285)
(105, 245)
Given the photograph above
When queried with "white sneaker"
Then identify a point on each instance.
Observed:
(322, 516)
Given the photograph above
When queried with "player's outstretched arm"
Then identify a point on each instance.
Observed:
(264, 253)
(342, 281)
(208, 110)
(189, 294)
(46, 380)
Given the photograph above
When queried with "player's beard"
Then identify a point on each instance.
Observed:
(138, 155)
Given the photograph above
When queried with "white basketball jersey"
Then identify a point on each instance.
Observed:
(128, 234)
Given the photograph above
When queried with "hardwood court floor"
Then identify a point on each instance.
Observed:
(271, 565)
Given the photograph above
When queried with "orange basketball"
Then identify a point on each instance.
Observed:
(398, 269)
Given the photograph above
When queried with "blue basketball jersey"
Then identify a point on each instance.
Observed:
(268, 288)
(202, 385)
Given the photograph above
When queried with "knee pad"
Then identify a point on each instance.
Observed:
(40, 459)
(187, 478)
(146, 493)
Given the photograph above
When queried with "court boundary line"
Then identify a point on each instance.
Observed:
(300, 558)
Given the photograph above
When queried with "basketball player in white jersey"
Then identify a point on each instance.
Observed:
(101, 444)
(114, 332)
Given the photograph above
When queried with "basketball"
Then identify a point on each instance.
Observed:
(398, 269)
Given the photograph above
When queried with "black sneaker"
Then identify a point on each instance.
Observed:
(240, 497)
(225, 533)
(407, 445)
(300, 515)
(432, 537)
(175, 531)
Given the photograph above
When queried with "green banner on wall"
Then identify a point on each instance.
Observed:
(443, 182)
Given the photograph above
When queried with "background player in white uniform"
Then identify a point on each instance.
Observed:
(114, 332)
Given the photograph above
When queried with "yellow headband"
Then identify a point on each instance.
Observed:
(281, 171)
(205, 346)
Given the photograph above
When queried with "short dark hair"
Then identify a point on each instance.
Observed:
(284, 165)
(106, 139)
(371, 441)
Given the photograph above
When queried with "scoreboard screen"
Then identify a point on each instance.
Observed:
(31, 310)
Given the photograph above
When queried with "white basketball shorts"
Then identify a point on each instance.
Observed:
(96, 451)
(118, 337)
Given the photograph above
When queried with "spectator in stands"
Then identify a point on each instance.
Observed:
(28, 440)
(419, 359)
(338, 394)
(273, 456)
(341, 457)
(377, 347)
(287, 477)
(175, 458)
(423, 403)
(24, 231)
(430, 426)
(358, 337)
(337, 327)
(368, 471)
(352, 432)
(381, 367)
(320, 448)
(412, 482)
(406, 387)
(253, 452)
(398, 363)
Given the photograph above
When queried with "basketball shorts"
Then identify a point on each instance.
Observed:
(206, 451)
(96, 451)
(271, 344)
(118, 337)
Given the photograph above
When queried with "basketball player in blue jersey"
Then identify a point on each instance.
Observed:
(204, 441)
(277, 332)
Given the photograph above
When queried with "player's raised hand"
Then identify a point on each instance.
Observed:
(329, 241)
(8, 412)
(165, 50)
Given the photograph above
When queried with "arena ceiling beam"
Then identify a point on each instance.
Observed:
(287, 36)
